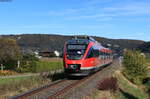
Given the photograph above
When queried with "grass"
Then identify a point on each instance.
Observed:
(128, 89)
(13, 86)
(8, 80)
(42, 66)
(53, 59)
(102, 95)
(10, 87)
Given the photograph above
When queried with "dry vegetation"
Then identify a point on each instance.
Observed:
(123, 90)
(7, 72)
(55, 59)
(10, 87)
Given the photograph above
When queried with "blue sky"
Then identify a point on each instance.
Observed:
(127, 19)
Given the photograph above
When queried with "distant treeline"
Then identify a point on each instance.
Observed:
(45, 42)
(145, 47)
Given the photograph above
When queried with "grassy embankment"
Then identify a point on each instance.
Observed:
(126, 90)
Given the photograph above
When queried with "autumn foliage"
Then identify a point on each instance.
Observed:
(6, 72)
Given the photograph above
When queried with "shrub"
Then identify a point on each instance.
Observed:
(135, 68)
(28, 63)
(108, 84)
(30, 57)
(146, 82)
(26, 66)
(6, 72)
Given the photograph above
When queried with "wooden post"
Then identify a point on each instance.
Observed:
(18, 63)
(2, 68)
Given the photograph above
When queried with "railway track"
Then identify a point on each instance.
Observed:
(35, 91)
(67, 88)
(57, 89)
(53, 90)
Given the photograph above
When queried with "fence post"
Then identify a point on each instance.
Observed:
(18, 64)
(2, 68)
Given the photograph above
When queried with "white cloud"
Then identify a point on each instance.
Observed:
(133, 8)
(95, 2)
(140, 34)
(114, 11)
(99, 17)
(62, 12)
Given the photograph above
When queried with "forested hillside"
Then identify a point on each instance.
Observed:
(48, 42)
(145, 47)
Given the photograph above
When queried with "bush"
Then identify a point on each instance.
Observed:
(146, 82)
(30, 57)
(135, 68)
(6, 72)
(27, 64)
(30, 63)
(108, 84)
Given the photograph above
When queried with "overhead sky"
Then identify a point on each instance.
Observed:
(127, 19)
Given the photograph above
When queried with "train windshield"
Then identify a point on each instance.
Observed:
(75, 52)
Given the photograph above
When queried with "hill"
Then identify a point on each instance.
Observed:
(48, 42)
(145, 47)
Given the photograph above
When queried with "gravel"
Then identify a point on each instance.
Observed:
(88, 87)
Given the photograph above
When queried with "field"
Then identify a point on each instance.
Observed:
(46, 66)
(12, 86)
(9, 80)
(51, 59)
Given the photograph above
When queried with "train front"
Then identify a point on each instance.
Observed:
(74, 57)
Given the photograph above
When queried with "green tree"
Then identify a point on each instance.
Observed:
(135, 68)
(9, 53)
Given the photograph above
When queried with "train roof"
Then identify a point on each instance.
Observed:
(81, 40)
(87, 40)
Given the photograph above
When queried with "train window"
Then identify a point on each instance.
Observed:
(76, 47)
(100, 53)
(96, 53)
(90, 53)
(75, 52)
(93, 53)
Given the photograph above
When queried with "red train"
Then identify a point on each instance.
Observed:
(83, 56)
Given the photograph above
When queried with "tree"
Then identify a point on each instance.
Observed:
(9, 53)
(135, 68)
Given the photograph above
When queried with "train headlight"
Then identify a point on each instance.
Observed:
(73, 66)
